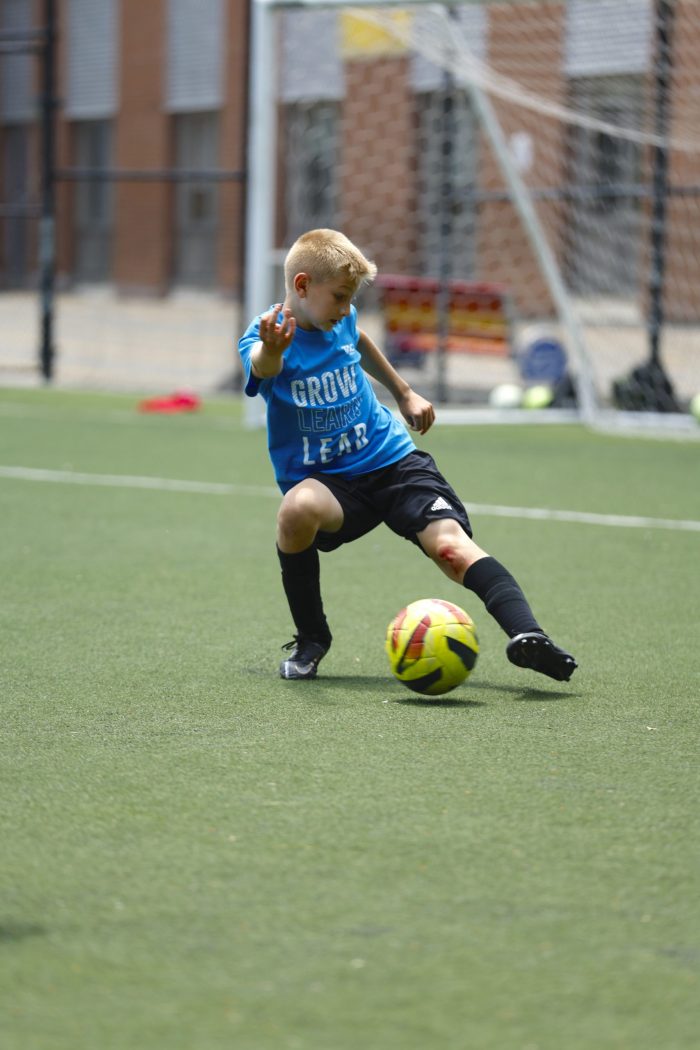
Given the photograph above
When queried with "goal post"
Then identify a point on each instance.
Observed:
(547, 150)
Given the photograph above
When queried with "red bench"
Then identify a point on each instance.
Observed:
(479, 317)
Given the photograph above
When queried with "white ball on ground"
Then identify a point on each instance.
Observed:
(506, 395)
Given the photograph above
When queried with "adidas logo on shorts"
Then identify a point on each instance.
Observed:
(441, 504)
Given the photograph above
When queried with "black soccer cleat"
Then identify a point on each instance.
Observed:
(539, 653)
(306, 655)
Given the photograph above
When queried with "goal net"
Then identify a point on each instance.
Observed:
(526, 176)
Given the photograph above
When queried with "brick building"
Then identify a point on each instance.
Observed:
(363, 126)
(143, 89)
(404, 185)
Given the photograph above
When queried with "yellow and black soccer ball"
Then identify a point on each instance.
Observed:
(432, 646)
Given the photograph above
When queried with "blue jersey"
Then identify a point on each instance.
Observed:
(322, 413)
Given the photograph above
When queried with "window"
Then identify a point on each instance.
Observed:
(196, 201)
(604, 171)
(447, 159)
(93, 201)
(311, 136)
(16, 190)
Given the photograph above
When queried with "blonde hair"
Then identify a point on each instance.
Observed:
(325, 254)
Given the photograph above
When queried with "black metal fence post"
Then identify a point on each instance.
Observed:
(445, 222)
(664, 64)
(47, 221)
(648, 388)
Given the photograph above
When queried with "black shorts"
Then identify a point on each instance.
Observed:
(406, 496)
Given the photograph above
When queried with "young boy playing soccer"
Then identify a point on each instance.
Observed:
(345, 464)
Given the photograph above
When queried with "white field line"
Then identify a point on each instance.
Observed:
(581, 517)
(213, 488)
(132, 481)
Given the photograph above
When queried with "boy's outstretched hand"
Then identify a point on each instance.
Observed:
(277, 337)
(418, 413)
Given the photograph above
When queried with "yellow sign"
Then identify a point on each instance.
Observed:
(364, 38)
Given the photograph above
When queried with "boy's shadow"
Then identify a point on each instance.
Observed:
(528, 694)
(391, 691)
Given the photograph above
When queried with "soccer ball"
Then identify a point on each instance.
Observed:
(432, 646)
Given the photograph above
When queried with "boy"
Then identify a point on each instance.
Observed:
(345, 464)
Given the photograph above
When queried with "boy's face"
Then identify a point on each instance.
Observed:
(321, 304)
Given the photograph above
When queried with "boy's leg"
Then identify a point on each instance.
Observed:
(301, 580)
(465, 562)
(305, 509)
(459, 557)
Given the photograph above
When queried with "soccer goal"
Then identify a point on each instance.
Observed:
(526, 176)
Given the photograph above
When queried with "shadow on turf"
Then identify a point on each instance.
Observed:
(395, 695)
(529, 694)
(445, 701)
(390, 693)
(11, 932)
(336, 680)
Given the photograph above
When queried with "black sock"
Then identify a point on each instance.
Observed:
(501, 595)
(301, 579)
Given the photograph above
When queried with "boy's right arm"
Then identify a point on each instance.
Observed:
(275, 338)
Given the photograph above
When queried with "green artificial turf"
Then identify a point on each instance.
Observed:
(196, 854)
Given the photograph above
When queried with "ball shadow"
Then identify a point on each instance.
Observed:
(426, 701)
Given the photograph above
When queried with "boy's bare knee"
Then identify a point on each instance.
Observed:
(297, 506)
(296, 519)
(450, 548)
(451, 558)
(304, 510)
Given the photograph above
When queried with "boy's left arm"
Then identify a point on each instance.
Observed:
(418, 413)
